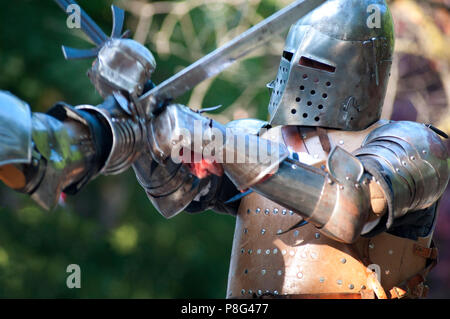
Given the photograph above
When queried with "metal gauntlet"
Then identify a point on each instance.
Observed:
(67, 147)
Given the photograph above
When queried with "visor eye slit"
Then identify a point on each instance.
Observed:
(288, 55)
(310, 63)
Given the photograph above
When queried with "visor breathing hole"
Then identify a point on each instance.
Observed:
(298, 99)
(328, 84)
(305, 115)
(302, 87)
(317, 119)
(309, 103)
(324, 95)
(313, 92)
(320, 106)
(293, 111)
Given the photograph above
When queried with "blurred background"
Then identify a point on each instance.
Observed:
(124, 247)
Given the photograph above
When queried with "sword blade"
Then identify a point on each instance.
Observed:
(221, 58)
(90, 28)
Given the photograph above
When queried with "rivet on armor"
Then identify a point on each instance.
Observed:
(412, 158)
(258, 251)
(283, 252)
(404, 163)
(275, 251)
(296, 233)
(246, 271)
(387, 272)
(279, 272)
(283, 212)
(291, 212)
(347, 178)
(339, 282)
(317, 235)
(321, 280)
(259, 292)
(343, 260)
(292, 253)
(397, 170)
(357, 185)
(250, 292)
(371, 245)
(390, 252)
(294, 166)
(263, 231)
(300, 275)
(351, 286)
(341, 142)
(275, 292)
(245, 230)
(242, 250)
(243, 292)
(266, 211)
(363, 287)
(275, 211)
(248, 211)
(263, 272)
(257, 210)
(268, 252)
(424, 151)
(279, 231)
(341, 187)
(250, 251)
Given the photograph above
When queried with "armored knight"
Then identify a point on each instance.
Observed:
(348, 193)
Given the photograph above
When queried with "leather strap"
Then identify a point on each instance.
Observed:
(324, 139)
(415, 286)
(426, 252)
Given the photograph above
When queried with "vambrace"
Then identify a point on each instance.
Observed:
(411, 163)
(337, 203)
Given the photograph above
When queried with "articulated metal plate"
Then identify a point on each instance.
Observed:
(15, 130)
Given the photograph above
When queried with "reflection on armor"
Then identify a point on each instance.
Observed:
(15, 130)
(345, 192)
(122, 65)
(335, 69)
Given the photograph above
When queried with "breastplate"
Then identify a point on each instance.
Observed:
(269, 258)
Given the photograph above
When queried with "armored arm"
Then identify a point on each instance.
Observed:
(406, 161)
(62, 150)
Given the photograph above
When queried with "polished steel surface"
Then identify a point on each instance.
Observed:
(15, 130)
(414, 158)
(335, 68)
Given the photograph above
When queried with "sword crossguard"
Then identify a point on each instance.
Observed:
(93, 31)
